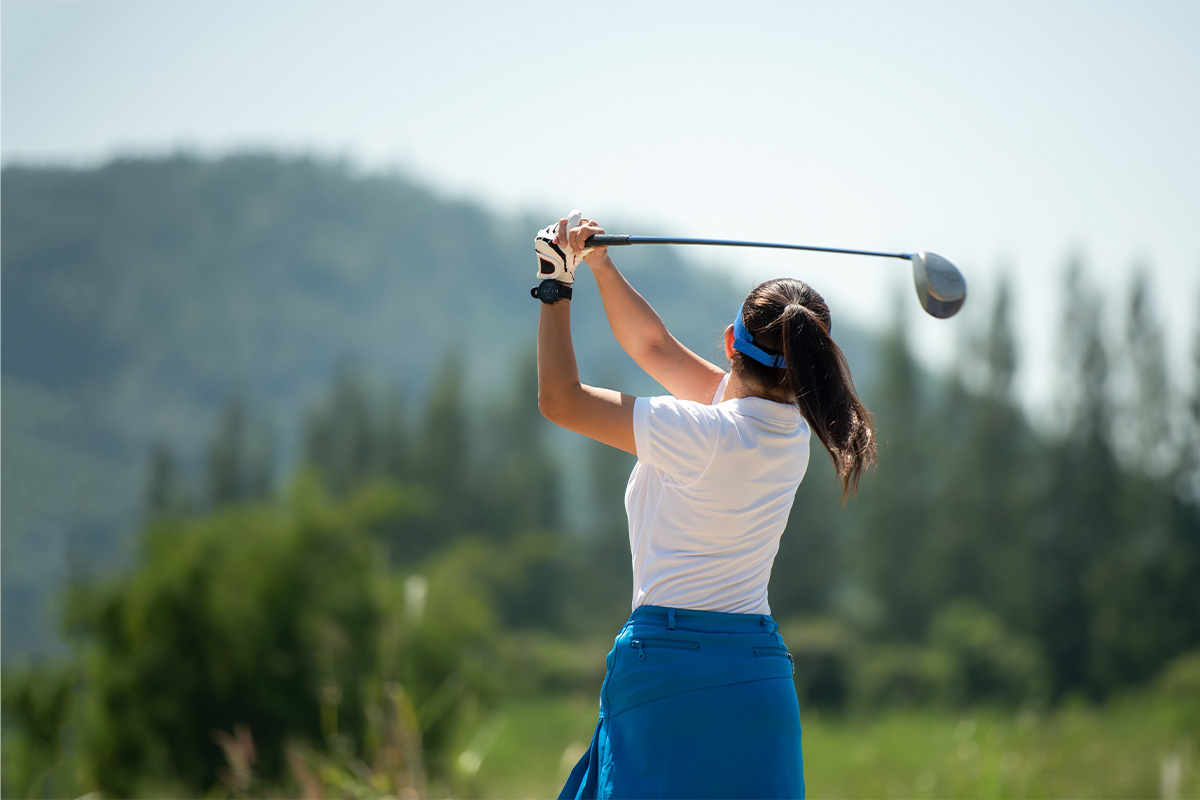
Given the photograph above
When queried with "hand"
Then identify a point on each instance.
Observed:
(556, 259)
(576, 232)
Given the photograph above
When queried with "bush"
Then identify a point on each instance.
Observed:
(255, 617)
(263, 632)
(969, 659)
(904, 676)
(988, 663)
(37, 706)
(1178, 691)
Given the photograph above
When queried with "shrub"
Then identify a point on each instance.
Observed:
(902, 675)
(1178, 691)
(988, 663)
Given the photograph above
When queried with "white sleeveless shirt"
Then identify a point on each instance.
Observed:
(709, 497)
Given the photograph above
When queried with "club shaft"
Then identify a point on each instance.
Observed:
(618, 240)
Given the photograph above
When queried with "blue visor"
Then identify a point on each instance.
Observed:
(743, 342)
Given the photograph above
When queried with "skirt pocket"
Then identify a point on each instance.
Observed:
(671, 644)
(776, 651)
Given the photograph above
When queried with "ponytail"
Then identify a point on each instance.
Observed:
(787, 317)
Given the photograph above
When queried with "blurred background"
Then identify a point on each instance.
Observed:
(280, 516)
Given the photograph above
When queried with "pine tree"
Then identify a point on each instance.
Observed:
(444, 452)
(239, 458)
(983, 542)
(1150, 413)
(165, 492)
(340, 436)
(1081, 494)
(890, 549)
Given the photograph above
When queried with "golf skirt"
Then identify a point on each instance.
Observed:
(694, 704)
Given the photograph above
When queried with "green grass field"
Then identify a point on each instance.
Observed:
(1127, 749)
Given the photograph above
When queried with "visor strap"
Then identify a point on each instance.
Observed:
(743, 342)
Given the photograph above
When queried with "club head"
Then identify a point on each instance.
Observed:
(941, 288)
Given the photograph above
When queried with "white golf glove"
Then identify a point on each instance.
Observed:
(557, 261)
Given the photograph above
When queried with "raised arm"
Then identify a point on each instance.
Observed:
(641, 332)
(600, 414)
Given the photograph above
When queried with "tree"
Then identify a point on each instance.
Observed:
(238, 458)
(1140, 608)
(1084, 482)
(166, 492)
(523, 488)
(1190, 457)
(443, 447)
(341, 437)
(891, 542)
(1149, 412)
(979, 547)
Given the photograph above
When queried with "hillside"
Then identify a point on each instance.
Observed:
(139, 297)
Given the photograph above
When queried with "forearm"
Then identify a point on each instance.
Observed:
(558, 372)
(635, 324)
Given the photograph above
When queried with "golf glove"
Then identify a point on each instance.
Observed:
(557, 261)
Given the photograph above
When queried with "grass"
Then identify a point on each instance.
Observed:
(1079, 752)
(536, 742)
(1122, 750)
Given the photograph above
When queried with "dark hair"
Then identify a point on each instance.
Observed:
(785, 316)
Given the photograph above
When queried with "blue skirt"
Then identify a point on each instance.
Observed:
(694, 704)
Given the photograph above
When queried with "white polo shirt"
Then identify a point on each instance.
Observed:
(709, 498)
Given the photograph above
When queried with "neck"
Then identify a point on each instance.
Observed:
(736, 388)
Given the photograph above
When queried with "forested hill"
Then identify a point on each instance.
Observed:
(177, 281)
(139, 297)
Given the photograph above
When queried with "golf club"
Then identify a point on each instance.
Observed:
(941, 288)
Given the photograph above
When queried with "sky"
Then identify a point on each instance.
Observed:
(1008, 137)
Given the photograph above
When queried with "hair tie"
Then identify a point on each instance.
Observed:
(743, 342)
(826, 326)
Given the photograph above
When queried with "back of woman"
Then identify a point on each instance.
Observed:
(698, 698)
(709, 498)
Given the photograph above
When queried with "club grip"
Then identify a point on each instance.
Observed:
(607, 240)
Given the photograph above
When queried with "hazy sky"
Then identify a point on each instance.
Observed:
(1004, 136)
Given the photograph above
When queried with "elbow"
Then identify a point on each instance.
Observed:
(555, 405)
(549, 406)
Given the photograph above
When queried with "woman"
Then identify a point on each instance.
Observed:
(698, 700)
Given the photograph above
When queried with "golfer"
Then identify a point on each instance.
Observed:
(698, 699)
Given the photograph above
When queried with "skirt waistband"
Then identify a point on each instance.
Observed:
(704, 621)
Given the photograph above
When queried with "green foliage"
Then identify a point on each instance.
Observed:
(987, 663)
(238, 462)
(37, 708)
(1177, 693)
(344, 439)
(245, 618)
(903, 676)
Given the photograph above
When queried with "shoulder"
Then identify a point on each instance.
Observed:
(671, 409)
(678, 436)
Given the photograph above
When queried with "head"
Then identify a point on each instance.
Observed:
(786, 318)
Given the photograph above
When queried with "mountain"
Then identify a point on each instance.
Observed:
(139, 297)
